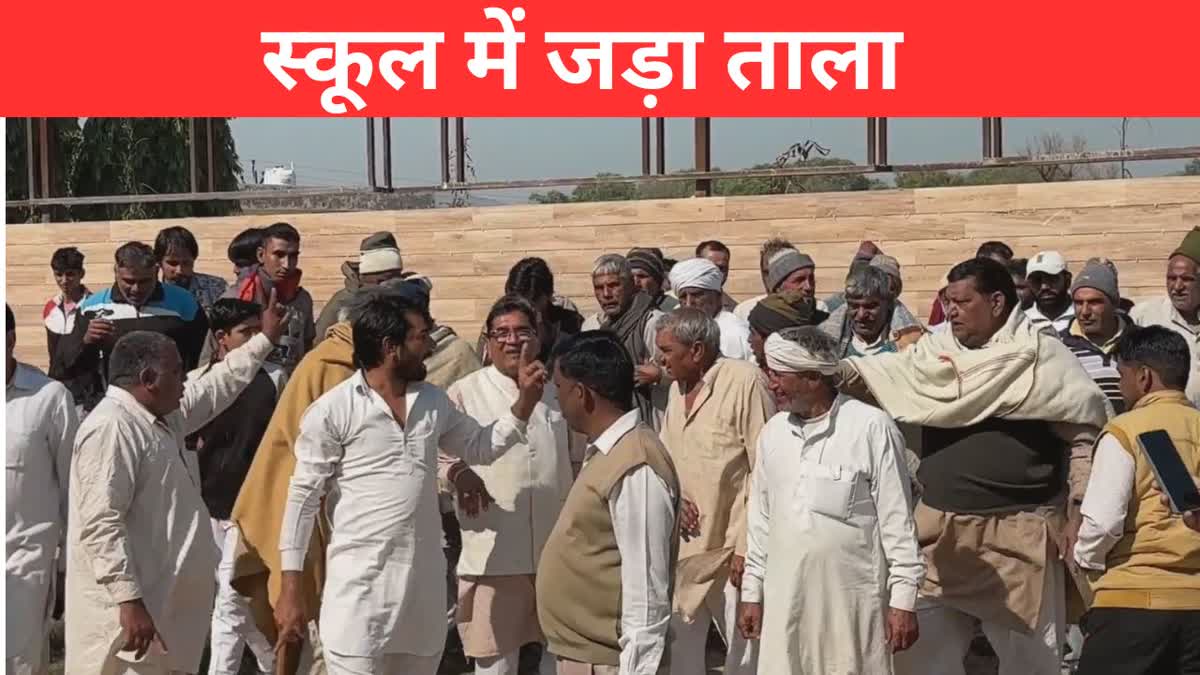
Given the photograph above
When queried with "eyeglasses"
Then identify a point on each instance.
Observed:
(506, 335)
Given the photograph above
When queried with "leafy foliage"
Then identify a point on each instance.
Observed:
(65, 136)
(141, 155)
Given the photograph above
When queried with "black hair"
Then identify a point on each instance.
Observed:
(243, 250)
(175, 239)
(66, 259)
(531, 279)
(227, 313)
(994, 248)
(598, 361)
(1160, 349)
(282, 231)
(711, 245)
(135, 255)
(1017, 267)
(988, 276)
(10, 319)
(381, 316)
(509, 304)
(134, 353)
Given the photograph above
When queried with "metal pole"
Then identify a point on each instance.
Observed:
(872, 151)
(645, 146)
(387, 153)
(660, 127)
(460, 150)
(444, 145)
(192, 172)
(703, 154)
(998, 137)
(370, 152)
(212, 160)
(44, 150)
(30, 158)
(987, 137)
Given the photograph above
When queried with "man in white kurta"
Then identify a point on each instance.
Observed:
(139, 531)
(832, 567)
(501, 545)
(385, 579)
(38, 432)
(698, 282)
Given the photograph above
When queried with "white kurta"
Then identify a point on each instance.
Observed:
(139, 527)
(831, 541)
(385, 581)
(528, 483)
(1161, 312)
(735, 337)
(39, 430)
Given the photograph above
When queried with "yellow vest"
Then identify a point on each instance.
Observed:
(1156, 564)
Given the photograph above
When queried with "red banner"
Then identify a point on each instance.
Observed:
(613, 58)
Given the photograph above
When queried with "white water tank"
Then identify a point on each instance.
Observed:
(280, 175)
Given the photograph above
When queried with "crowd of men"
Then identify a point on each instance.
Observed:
(829, 482)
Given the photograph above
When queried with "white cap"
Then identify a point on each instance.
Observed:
(1046, 262)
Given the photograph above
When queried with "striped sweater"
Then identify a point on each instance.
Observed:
(1100, 362)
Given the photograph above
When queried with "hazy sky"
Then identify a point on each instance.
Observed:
(329, 151)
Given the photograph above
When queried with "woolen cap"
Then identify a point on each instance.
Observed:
(783, 264)
(1191, 246)
(1100, 275)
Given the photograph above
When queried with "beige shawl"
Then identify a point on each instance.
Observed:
(1020, 373)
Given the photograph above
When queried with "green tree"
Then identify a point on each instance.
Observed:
(1191, 169)
(64, 139)
(142, 155)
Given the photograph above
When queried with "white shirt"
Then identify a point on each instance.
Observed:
(743, 309)
(529, 483)
(38, 434)
(643, 515)
(1105, 504)
(1161, 312)
(385, 576)
(138, 524)
(1041, 321)
(859, 447)
(735, 336)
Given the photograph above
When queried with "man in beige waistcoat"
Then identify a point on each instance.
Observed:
(605, 578)
(501, 543)
(716, 410)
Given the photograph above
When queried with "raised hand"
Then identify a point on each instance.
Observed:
(647, 375)
(531, 380)
(99, 332)
(274, 318)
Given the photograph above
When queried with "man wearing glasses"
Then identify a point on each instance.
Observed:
(502, 541)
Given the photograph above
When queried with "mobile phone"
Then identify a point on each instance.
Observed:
(102, 313)
(1174, 478)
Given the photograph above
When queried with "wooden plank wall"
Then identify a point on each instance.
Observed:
(468, 251)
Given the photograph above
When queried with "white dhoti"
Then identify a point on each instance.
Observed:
(689, 647)
(232, 623)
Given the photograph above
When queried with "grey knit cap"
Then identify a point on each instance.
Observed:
(783, 264)
(1101, 275)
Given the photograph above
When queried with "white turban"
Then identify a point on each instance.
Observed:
(696, 273)
(785, 356)
(374, 260)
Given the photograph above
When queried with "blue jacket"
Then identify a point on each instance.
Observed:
(171, 310)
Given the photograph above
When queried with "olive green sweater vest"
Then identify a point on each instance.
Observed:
(579, 574)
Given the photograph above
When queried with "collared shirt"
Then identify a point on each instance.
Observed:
(1161, 312)
(1099, 361)
(1057, 324)
(38, 434)
(843, 468)
(713, 447)
(385, 576)
(735, 336)
(138, 525)
(529, 483)
(643, 516)
(205, 288)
